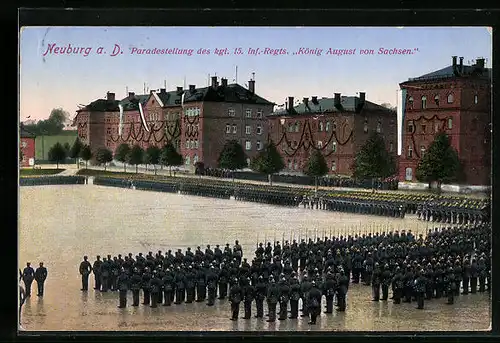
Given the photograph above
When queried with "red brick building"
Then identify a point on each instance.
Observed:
(27, 146)
(456, 100)
(198, 121)
(338, 127)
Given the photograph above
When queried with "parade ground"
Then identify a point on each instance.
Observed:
(58, 225)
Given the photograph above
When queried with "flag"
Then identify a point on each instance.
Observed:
(121, 120)
(401, 118)
(143, 118)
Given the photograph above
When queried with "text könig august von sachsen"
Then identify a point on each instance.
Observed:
(116, 50)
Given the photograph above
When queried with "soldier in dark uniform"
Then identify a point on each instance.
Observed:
(294, 297)
(85, 270)
(211, 280)
(408, 279)
(438, 281)
(248, 297)
(368, 269)
(329, 291)
(473, 276)
(376, 281)
(237, 252)
(97, 273)
(314, 303)
(104, 271)
(466, 277)
(201, 286)
(284, 297)
(419, 286)
(168, 287)
(115, 272)
(357, 266)
(190, 283)
(482, 273)
(450, 285)
(223, 281)
(342, 288)
(260, 295)
(40, 277)
(135, 286)
(179, 286)
(235, 297)
(123, 286)
(386, 281)
(397, 286)
(146, 286)
(272, 299)
(155, 286)
(28, 277)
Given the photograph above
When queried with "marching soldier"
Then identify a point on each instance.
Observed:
(85, 270)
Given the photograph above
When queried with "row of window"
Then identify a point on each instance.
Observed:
(187, 159)
(192, 144)
(248, 113)
(379, 126)
(409, 152)
(248, 145)
(423, 100)
(333, 126)
(294, 165)
(248, 129)
(294, 145)
(423, 127)
(192, 112)
(154, 117)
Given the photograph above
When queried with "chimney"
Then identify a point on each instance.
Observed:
(454, 61)
(110, 96)
(461, 67)
(337, 99)
(224, 82)
(480, 63)
(192, 88)
(361, 103)
(290, 103)
(163, 90)
(251, 86)
(306, 101)
(131, 95)
(314, 100)
(179, 90)
(214, 81)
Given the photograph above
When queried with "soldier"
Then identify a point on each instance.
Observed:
(135, 286)
(260, 295)
(397, 286)
(284, 296)
(190, 282)
(419, 286)
(342, 288)
(474, 273)
(168, 287)
(40, 277)
(357, 266)
(314, 303)
(329, 291)
(146, 286)
(179, 286)
(272, 299)
(155, 287)
(466, 277)
(248, 297)
(450, 285)
(123, 286)
(104, 271)
(201, 286)
(235, 297)
(386, 281)
(115, 271)
(408, 284)
(237, 252)
(438, 281)
(97, 272)
(223, 281)
(368, 269)
(85, 270)
(211, 279)
(305, 286)
(376, 281)
(482, 273)
(28, 276)
(430, 286)
(294, 297)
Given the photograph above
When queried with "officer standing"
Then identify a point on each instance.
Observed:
(260, 295)
(168, 287)
(28, 277)
(104, 272)
(97, 273)
(135, 286)
(123, 286)
(235, 297)
(40, 277)
(85, 270)
(314, 303)
(376, 281)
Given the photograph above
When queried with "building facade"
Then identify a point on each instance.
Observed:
(338, 127)
(457, 101)
(195, 120)
(27, 147)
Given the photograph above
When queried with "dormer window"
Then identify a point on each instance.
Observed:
(424, 102)
(450, 98)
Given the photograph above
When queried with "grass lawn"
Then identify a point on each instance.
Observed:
(39, 172)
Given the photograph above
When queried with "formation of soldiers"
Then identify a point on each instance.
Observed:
(455, 211)
(413, 268)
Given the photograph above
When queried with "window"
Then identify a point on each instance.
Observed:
(248, 145)
(423, 128)
(259, 114)
(436, 100)
(450, 123)
(108, 130)
(475, 99)
(365, 127)
(259, 129)
(248, 129)
(391, 147)
(248, 113)
(234, 128)
(231, 112)
(290, 128)
(320, 127)
(422, 151)
(259, 145)
(450, 98)
(195, 159)
(228, 128)
(295, 165)
(290, 164)
(187, 144)
(436, 127)
(410, 152)
(408, 174)
(188, 160)
(411, 128)
(410, 102)
(379, 126)
(334, 166)
(296, 127)
(334, 146)
(424, 102)
(196, 144)
(320, 144)
(334, 127)
(327, 127)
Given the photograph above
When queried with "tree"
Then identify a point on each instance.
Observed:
(374, 161)
(170, 157)
(20, 154)
(440, 163)
(67, 148)
(51, 126)
(316, 166)
(232, 156)
(136, 156)
(86, 154)
(57, 154)
(104, 155)
(152, 156)
(121, 154)
(74, 152)
(268, 161)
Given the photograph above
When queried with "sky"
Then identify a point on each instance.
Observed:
(51, 79)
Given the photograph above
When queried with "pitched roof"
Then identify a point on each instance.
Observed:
(230, 93)
(349, 103)
(132, 103)
(447, 72)
(172, 98)
(25, 133)
(101, 105)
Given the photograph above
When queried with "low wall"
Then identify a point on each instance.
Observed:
(416, 186)
(52, 180)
